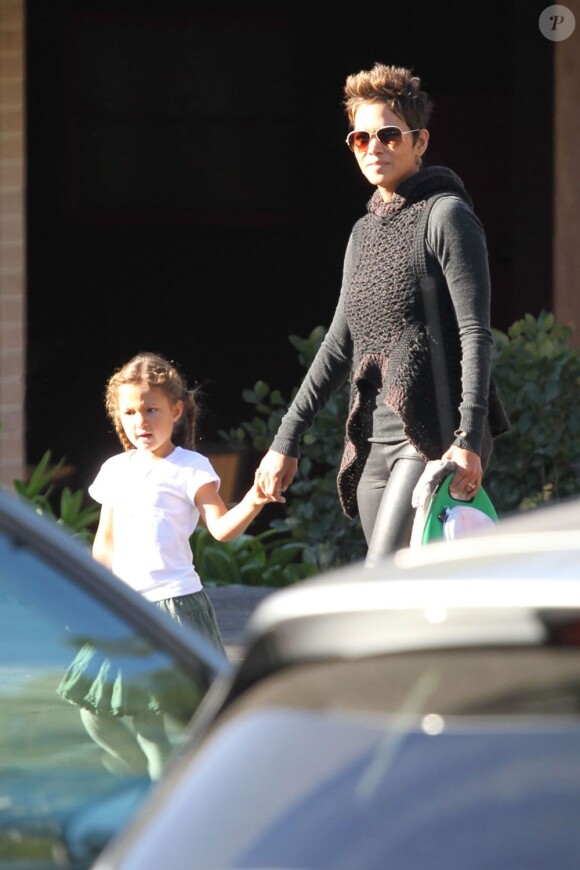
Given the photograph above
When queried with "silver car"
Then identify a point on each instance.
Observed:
(423, 713)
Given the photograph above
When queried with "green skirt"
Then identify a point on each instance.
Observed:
(132, 681)
(196, 610)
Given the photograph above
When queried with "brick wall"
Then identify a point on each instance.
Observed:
(567, 178)
(12, 241)
(13, 217)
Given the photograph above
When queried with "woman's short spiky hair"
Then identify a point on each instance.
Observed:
(394, 85)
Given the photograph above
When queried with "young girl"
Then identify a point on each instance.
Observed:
(152, 496)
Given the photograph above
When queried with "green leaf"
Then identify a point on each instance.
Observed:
(261, 389)
(537, 372)
(71, 510)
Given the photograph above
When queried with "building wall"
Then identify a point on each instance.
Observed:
(12, 241)
(567, 178)
(13, 277)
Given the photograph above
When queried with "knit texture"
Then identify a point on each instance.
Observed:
(401, 358)
(411, 331)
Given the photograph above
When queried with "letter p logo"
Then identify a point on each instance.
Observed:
(557, 23)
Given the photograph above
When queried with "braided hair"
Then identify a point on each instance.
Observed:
(154, 370)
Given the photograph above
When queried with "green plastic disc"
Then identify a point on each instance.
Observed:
(433, 526)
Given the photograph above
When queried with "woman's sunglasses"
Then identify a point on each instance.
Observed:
(359, 140)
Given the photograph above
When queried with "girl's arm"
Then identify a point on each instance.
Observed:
(103, 543)
(224, 524)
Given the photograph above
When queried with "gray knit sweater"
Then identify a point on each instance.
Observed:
(411, 329)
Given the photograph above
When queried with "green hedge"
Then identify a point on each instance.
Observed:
(538, 374)
(313, 515)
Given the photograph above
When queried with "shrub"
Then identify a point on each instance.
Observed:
(251, 560)
(265, 559)
(538, 375)
(70, 510)
(313, 514)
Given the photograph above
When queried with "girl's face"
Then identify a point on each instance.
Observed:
(148, 416)
(386, 166)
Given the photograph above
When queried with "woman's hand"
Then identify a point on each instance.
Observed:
(467, 479)
(275, 474)
(257, 496)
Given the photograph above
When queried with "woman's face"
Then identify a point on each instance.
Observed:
(386, 166)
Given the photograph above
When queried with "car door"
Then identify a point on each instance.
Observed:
(61, 798)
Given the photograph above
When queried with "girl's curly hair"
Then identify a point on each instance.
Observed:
(154, 370)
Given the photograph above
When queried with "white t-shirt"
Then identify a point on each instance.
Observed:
(154, 515)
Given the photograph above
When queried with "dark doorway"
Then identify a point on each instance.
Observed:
(189, 191)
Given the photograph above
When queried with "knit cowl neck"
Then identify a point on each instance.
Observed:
(422, 184)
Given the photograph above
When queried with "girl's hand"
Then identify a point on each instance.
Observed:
(257, 494)
(276, 473)
(467, 479)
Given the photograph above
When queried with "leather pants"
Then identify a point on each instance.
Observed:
(384, 497)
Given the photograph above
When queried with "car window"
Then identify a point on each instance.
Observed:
(444, 759)
(61, 794)
(466, 682)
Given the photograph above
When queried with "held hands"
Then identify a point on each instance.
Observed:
(467, 479)
(257, 495)
(275, 474)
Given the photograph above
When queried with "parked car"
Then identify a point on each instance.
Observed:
(422, 713)
(59, 800)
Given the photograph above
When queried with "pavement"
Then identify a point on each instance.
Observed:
(233, 605)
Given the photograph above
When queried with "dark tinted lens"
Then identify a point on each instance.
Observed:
(388, 135)
(358, 139)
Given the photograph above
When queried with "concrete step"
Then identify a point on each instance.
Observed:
(233, 605)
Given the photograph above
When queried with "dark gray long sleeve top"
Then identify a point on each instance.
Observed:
(456, 256)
